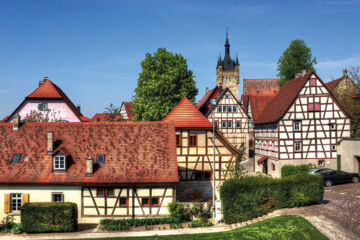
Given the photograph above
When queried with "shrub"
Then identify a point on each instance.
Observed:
(289, 170)
(49, 217)
(198, 210)
(200, 223)
(180, 211)
(251, 197)
(125, 224)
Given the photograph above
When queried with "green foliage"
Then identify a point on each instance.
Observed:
(113, 114)
(49, 217)
(200, 223)
(289, 170)
(162, 83)
(180, 211)
(111, 224)
(10, 226)
(236, 170)
(297, 57)
(198, 210)
(251, 197)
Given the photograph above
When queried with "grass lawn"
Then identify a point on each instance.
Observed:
(283, 227)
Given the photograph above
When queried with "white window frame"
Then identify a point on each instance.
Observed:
(224, 124)
(229, 107)
(234, 108)
(229, 124)
(299, 126)
(296, 145)
(220, 109)
(238, 122)
(15, 202)
(333, 147)
(332, 126)
(59, 158)
(57, 193)
(224, 109)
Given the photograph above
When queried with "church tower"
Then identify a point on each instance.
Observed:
(227, 71)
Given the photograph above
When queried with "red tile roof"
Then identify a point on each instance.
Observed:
(129, 110)
(260, 86)
(101, 117)
(141, 152)
(50, 91)
(212, 93)
(258, 102)
(332, 84)
(263, 159)
(185, 114)
(283, 100)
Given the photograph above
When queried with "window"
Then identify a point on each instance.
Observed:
(43, 106)
(313, 107)
(216, 124)
(234, 108)
(229, 109)
(59, 162)
(178, 140)
(145, 201)
(224, 124)
(57, 197)
(297, 126)
(16, 158)
(110, 192)
(15, 202)
(202, 175)
(238, 124)
(333, 148)
(332, 126)
(193, 140)
(123, 202)
(155, 201)
(321, 163)
(224, 109)
(227, 96)
(229, 124)
(99, 192)
(100, 158)
(219, 108)
(273, 167)
(312, 82)
(297, 146)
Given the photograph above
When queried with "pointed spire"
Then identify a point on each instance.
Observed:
(237, 60)
(227, 44)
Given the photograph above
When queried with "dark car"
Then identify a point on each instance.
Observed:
(336, 177)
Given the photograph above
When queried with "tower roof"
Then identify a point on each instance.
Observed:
(186, 115)
(227, 63)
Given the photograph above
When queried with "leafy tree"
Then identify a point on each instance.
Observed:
(297, 57)
(164, 80)
(113, 114)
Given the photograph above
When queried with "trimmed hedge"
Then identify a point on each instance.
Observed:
(251, 197)
(125, 224)
(289, 170)
(49, 217)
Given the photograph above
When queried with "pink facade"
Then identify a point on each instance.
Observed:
(58, 107)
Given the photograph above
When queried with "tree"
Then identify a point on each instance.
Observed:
(162, 83)
(354, 74)
(297, 57)
(43, 116)
(112, 114)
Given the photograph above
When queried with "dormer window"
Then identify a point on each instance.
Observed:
(16, 158)
(60, 162)
(100, 158)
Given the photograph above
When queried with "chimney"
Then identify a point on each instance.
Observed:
(50, 142)
(40, 82)
(303, 72)
(45, 78)
(89, 167)
(16, 122)
(298, 75)
(345, 73)
(78, 107)
(207, 89)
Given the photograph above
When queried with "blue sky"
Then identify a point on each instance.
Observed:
(92, 49)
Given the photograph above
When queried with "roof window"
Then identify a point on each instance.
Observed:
(16, 158)
(100, 158)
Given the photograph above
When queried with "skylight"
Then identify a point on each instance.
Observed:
(16, 158)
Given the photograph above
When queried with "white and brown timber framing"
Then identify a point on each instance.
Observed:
(322, 120)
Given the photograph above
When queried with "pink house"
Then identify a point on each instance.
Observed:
(48, 100)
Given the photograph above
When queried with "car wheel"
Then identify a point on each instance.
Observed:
(328, 183)
(355, 179)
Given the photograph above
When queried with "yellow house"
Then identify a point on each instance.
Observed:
(107, 169)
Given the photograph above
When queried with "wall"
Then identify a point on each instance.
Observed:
(61, 109)
(349, 150)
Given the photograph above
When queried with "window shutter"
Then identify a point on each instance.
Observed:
(7, 203)
(25, 198)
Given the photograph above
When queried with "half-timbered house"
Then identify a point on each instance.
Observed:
(228, 115)
(194, 147)
(107, 169)
(302, 124)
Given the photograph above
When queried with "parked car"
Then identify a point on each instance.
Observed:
(335, 177)
(319, 170)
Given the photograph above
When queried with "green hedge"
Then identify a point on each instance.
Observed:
(289, 170)
(125, 224)
(251, 197)
(49, 217)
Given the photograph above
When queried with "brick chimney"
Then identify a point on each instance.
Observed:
(89, 167)
(207, 89)
(16, 122)
(78, 107)
(50, 142)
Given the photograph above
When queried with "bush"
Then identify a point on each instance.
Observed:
(198, 210)
(125, 224)
(49, 217)
(289, 170)
(251, 197)
(200, 223)
(180, 211)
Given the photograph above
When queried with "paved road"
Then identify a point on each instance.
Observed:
(338, 215)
